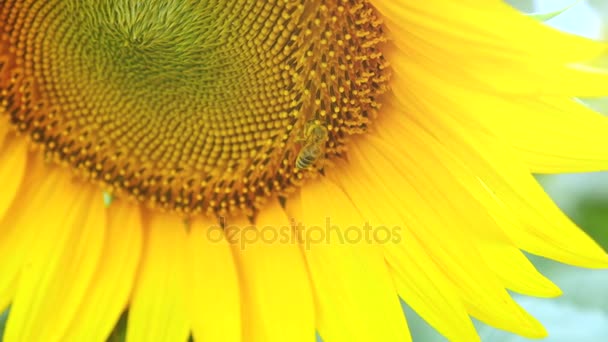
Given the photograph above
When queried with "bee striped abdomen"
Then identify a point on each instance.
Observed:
(308, 155)
(315, 136)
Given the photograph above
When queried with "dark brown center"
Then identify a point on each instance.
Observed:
(192, 106)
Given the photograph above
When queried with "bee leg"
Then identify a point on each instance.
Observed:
(303, 134)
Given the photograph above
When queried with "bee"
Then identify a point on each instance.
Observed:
(314, 137)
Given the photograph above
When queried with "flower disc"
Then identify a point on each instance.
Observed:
(190, 106)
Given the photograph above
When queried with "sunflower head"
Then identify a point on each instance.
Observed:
(193, 107)
(286, 117)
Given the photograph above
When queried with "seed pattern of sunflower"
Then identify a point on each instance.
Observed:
(253, 170)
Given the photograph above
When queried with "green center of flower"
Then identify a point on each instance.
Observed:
(192, 106)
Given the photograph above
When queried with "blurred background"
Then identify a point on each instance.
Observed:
(581, 314)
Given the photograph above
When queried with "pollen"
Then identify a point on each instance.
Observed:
(196, 107)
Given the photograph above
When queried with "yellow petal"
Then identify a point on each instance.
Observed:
(552, 134)
(490, 29)
(446, 228)
(516, 272)
(277, 296)
(419, 281)
(533, 58)
(13, 155)
(496, 248)
(20, 228)
(355, 296)
(158, 306)
(60, 265)
(542, 228)
(109, 291)
(214, 298)
(429, 62)
(502, 183)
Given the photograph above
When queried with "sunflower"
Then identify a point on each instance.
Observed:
(266, 170)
